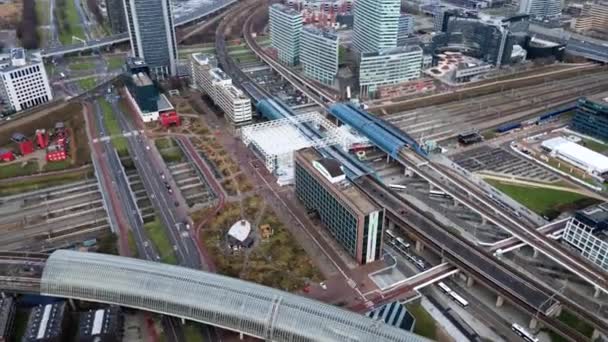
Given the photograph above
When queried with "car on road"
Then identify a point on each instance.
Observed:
(146, 244)
(323, 285)
(162, 175)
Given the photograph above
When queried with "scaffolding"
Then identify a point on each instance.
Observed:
(275, 141)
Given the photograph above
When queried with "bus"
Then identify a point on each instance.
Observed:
(438, 193)
(444, 288)
(402, 242)
(397, 186)
(461, 301)
(523, 333)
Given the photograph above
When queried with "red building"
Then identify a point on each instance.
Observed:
(26, 146)
(6, 155)
(42, 138)
(58, 149)
(169, 118)
(56, 153)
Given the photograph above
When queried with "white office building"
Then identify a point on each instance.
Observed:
(375, 26)
(285, 32)
(215, 82)
(23, 81)
(541, 9)
(586, 231)
(389, 66)
(319, 54)
(235, 104)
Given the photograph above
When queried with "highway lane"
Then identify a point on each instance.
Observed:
(121, 186)
(163, 201)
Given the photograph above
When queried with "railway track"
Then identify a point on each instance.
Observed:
(532, 297)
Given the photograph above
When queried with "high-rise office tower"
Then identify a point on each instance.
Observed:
(285, 33)
(116, 16)
(541, 8)
(375, 25)
(319, 54)
(150, 24)
(388, 66)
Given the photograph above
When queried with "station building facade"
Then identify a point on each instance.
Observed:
(352, 218)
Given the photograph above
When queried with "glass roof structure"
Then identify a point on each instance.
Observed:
(229, 303)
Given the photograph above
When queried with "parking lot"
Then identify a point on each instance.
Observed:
(500, 161)
(278, 87)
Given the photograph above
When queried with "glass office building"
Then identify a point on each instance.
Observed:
(541, 9)
(390, 66)
(591, 116)
(319, 54)
(285, 33)
(150, 25)
(351, 217)
(586, 231)
(376, 23)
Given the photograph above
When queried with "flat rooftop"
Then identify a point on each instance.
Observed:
(142, 80)
(219, 74)
(286, 10)
(163, 103)
(601, 98)
(204, 58)
(350, 193)
(325, 33)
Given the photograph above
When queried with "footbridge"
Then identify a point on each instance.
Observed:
(224, 302)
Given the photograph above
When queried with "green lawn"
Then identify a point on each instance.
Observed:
(132, 244)
(69, 23)
(547, 202)
(192, 332)
(110, 121)
(87, 83)
(82, 65)
(595, 146)
(18, 169)
(425, 324)
(58, 165)
(50, 68)
(157, 234)
(162, 143)
(42, 182)
(113, 129)
(42, 12)
(116, 62)
(173, 154)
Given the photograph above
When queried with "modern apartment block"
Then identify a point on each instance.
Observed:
(405, 28)
(23, 81)
(587, 230)
(319, 53)
(285, 32)
(352, 218)
(599, 16)
(101, 325)
(376, 24)
(389, 66)
(7, 318)
(541, 9)
(47, 323)
(150, 26)
(218, 85)
(591, 116)
(116, 15)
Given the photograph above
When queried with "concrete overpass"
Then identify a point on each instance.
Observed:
(204, 11)
(576, 44)
(228, 303)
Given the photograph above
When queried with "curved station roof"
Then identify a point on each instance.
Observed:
(221, 301)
